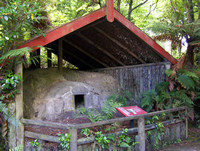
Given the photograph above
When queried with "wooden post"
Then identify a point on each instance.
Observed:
(19, 108)
(141, 133)
(167, 66)
(73, 140)
(49, 57)
(110, 10)
(60, 55)
(12, 127)
(186, 123)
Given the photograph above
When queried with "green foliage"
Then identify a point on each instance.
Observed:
(125, 141)
(17, 22)
(156, 99)
(198, 123)
(181, 90)
(17, 148)
(62, 12)
(107, 110)
(9, 85)
(178, 141)
(123, 97)
(101, 139)
(86, 132)
(158, 132)
(35, 143)
(64, 140)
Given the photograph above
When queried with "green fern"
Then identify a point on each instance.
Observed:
(186, 81)
(148, 99)
(192, 75)
(15, 53)
(168, 72)
(162, 87)
(182, 97)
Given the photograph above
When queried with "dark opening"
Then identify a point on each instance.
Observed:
(79, 101)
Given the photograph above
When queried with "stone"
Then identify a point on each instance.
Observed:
(49, 93)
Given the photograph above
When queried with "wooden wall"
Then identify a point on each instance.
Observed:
(139, 78)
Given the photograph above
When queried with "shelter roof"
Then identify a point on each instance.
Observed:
(102, 39)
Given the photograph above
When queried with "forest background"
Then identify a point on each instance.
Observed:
(174, 21)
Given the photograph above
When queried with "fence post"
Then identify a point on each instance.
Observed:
(73, 140)
(19, 108)
(141, 133)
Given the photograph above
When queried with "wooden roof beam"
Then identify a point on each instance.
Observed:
(79, 59)
(65, 29)
(121, 45)
(144, 37)
(100, 48)
(110, 10)
(87, 54)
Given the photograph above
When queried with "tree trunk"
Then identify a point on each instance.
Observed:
(118, 5)
(190, 57)
(189, 9)
(130, 9)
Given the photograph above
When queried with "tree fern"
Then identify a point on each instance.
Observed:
(186, 81)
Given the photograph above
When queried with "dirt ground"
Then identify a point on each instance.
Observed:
(191, 144)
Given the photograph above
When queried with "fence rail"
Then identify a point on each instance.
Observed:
(73, 128)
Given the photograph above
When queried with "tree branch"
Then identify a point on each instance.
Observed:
(172, 6)
(131, 9)
(118, 5)
(139, 5)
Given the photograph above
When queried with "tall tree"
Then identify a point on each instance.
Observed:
(180, 20)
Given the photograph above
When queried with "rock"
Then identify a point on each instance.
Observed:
(49, 93)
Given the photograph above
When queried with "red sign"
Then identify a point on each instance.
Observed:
(130, 110)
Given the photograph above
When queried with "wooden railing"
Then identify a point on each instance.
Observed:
(73, 128)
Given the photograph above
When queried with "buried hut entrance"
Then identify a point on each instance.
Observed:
(79, 101)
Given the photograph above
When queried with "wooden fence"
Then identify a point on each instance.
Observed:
(138, 78)
(73, 128)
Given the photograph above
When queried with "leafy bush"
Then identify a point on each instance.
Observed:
(108, 109)
(64, 140)
(182, 88)
(35, 143)
(102, 140)
(125, 141)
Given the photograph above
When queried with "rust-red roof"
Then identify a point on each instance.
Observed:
(101, 39)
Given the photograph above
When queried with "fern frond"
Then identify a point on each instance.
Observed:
(148, 99)
(181, 96)
(15, 53)
(192, 75)
(162, 87)
(169, 72)
(186, 81)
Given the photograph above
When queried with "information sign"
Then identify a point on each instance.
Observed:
(130, 110)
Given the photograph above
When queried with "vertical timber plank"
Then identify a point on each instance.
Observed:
(186, 124)
(49, 57)
(73, 140)
(19, 107)
(60, 55)
(141, 133)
